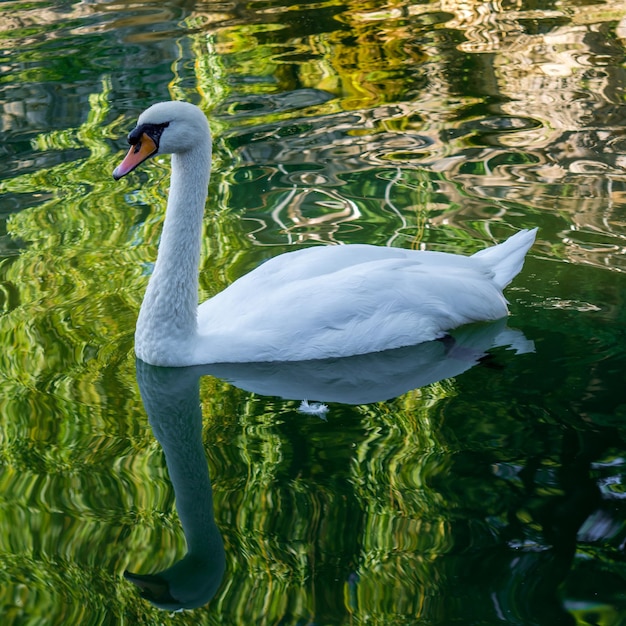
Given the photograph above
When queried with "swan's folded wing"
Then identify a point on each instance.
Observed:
(365, 307)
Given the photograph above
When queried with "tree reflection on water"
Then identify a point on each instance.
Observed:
(491, 496)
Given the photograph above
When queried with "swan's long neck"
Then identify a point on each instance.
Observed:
(169, 309)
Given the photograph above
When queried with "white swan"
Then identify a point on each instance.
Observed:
(328, 301)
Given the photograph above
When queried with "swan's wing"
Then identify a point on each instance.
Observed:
(351, 307)
(326, 264)
(319, 261)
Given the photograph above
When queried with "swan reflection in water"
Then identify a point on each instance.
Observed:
(171, 397)
(376, 376)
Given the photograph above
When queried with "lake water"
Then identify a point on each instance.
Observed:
(490, 490)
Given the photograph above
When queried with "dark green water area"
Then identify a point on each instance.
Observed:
(484, 491)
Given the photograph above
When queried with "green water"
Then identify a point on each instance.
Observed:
(491, 496)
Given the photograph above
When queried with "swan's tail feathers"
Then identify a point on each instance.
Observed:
(507, 258)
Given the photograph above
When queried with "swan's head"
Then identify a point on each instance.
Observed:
(164, 128)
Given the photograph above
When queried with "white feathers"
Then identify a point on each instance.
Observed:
(326, 301)
(313, 408)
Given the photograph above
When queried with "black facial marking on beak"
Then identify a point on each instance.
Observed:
(154, 131)
(144, 143)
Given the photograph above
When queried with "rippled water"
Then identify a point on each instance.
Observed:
(483, 489)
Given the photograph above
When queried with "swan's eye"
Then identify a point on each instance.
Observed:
(154, 131)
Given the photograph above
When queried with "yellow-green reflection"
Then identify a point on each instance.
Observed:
(398, 123)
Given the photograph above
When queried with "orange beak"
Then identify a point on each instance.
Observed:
(137, 154)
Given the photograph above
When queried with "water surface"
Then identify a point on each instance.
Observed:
(487, 491)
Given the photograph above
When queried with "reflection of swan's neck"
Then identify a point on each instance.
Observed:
(187, 466)
(169, 309)
(176, 419)
(171, 398)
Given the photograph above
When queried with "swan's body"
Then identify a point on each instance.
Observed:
(330, 301)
